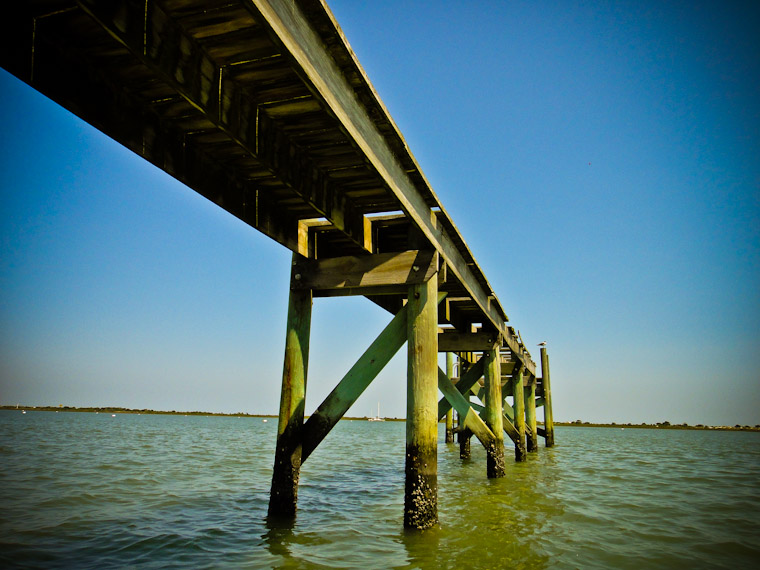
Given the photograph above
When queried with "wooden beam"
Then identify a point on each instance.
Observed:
(421, 460)
(283, 498)
(493, 412)
(466, 382)
(548, 415)
(467, 416)
(365, 275)
(454, 341)
(519, 408)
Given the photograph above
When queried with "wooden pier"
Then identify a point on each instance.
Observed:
(262, 107)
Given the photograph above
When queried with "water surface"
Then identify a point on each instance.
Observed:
(86, 490)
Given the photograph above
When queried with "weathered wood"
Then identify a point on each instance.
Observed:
(287, 464)
(293, 30)
(365, 275)
(548, 415)
(467, 416)
(450, 413)
(493, 412)
(531, 436)
(466, 382)
(353, 384)
(421, 466)
(519, 407)
(454, 341)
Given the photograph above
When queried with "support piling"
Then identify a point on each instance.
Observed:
(519, 406)
(531, 434)
(548, 415)
(421, 469)
(450, 413)
(493, 415)
(283, 498)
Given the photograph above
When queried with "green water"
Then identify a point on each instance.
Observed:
(95, 491)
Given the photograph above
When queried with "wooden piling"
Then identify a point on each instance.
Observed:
(421, 470)
(548, 416)
(531, 433)
(493, 413)
(450, 413)
(519, 407)
(283, 498)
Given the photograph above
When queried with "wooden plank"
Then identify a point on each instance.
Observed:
(449, 438)
(353, 384)
(362, 275)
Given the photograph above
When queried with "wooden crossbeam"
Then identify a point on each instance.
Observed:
(468, 417)
(454, 341)
(365, 275)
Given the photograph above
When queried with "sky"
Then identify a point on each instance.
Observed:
(601, 159)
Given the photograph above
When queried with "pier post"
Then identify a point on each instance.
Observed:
(283, 498)
(421, 469)
(531, 433)
(493, 412)
(548, 416)
(519, 405)
(464, 443)
(450, 413)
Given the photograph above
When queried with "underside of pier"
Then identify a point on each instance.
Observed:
(262, 107)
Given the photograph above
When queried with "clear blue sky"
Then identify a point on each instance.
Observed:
(602, 160)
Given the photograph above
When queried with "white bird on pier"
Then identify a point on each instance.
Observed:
(543, 343)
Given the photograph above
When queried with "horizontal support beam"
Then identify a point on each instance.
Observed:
(364, 275)
(452, 341)
(468, 417)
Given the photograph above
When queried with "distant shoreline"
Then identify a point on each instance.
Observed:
(577, 423)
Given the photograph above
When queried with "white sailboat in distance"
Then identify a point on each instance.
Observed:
(377, 418)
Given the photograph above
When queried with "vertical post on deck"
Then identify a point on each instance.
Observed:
(283, 498)
(421, 486)
(450, 413)
(548, 416)
(531, 433)
(493, 412)
(519, 405)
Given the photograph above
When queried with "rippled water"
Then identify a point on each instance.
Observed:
(94, 491)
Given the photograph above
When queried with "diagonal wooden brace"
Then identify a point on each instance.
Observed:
(467, 381)
(468, 417)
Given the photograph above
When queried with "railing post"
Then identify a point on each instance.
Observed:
(421, 470)
(450, 413)
(493, 412)
(548, 416)
(283, 498)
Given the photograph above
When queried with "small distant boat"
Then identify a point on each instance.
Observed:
(265, 421)
(23, 411)
(377, 418)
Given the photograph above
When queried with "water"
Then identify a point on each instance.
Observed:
(93, 491)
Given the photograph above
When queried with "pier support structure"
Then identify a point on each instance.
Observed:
(421, 469)
(493, 412)
(287, 463)
(450, 413)
(519, 409)
(547, 398)
(531, 433)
